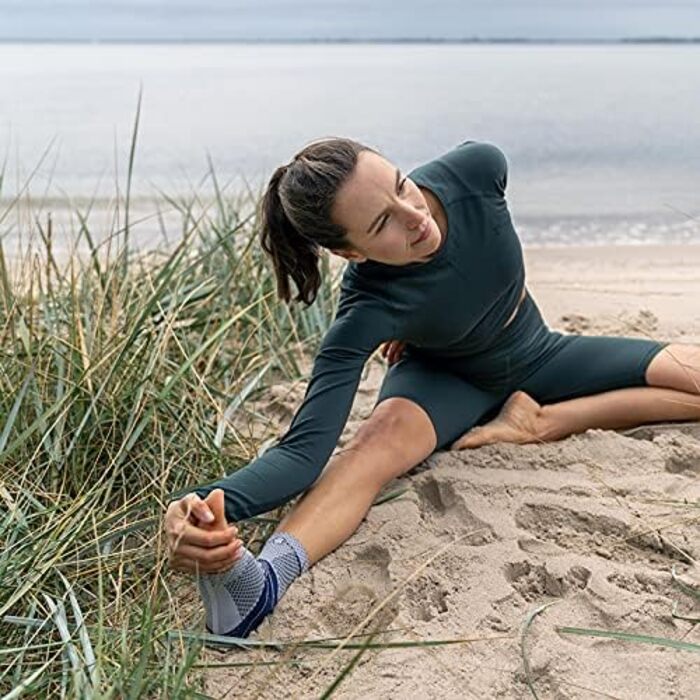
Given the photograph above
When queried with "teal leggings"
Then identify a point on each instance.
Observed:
(459, 393)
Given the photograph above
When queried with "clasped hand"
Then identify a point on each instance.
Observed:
(199, 538)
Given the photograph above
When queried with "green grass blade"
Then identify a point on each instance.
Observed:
(689, 590)
(130, 174)
(391, 496)
(523, 652)
(348, 668)
(627, 637)
(12, 416)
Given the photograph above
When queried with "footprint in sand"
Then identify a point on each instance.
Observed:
(644, 322)
(653, 431)
(446, 514)
(678, 442)
(598, 534)
(532, 581)
(641, 582)
(368, 584)
(575, 323)
(425, 597)
(682, 453)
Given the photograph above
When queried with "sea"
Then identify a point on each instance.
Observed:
(602, 140)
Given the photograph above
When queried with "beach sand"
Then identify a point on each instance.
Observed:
(584, 523)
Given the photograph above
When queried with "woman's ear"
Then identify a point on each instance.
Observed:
(349, 254)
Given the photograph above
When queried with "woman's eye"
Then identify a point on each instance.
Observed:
(386, 218)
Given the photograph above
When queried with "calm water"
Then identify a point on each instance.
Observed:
(603, 142)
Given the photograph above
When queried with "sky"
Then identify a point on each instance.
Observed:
(346, 19)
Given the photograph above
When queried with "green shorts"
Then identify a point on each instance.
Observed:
(459, 393)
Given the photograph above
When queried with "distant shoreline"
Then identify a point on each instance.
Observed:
(515, 40)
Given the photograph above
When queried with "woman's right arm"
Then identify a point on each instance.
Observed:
(293, 464)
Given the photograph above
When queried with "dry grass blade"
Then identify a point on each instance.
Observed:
(245, 643)
(236, 403)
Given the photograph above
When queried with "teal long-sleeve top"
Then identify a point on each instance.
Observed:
(447, 308)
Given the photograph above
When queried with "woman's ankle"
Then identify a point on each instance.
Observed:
(287, 557)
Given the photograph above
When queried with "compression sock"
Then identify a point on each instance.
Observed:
(239, 599)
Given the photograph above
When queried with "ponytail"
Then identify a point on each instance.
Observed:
(292, 254)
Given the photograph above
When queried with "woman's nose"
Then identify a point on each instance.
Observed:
(414, 217)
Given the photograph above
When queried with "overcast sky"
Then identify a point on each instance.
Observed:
(354, 19)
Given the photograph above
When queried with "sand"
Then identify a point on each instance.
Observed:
(585, 523)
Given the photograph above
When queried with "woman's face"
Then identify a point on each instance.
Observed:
(384, 213)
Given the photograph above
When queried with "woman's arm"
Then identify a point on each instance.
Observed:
(297, 460)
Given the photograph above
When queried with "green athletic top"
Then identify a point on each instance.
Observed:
(449, 307)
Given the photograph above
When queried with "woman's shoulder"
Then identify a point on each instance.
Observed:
(472, 167)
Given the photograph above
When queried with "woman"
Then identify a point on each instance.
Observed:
(435, 272)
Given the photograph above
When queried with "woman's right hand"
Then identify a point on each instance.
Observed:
(199, 539)
(392, 350)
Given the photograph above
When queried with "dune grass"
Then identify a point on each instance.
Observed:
(120, 374)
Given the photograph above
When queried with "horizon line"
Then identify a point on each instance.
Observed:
(399, 40)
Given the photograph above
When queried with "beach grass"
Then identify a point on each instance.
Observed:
(121, 375)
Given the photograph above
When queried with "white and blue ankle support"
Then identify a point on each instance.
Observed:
(287, 557)
(239, 599)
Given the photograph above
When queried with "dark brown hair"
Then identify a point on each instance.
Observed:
(296, 213)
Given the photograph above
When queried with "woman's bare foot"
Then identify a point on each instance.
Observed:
(517, 422)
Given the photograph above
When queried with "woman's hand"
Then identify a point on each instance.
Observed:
(199, 539)
(392, 350)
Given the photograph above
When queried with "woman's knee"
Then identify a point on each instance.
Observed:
(400, 425)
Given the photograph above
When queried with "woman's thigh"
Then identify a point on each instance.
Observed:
(585, 365)
(453, 404)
